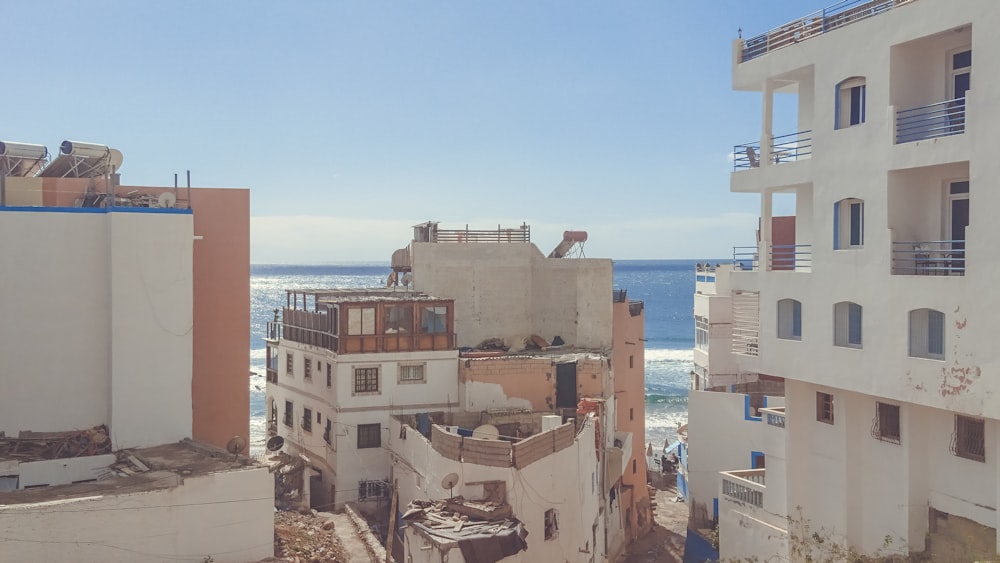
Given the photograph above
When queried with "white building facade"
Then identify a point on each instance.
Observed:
(879, 316)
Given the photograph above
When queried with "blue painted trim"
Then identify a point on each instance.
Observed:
(747, 409)
(753, 455)
(715, 509)
(156, 210)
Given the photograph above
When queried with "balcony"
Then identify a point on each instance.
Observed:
(744, 486)
(781, 258)
(774, 416)
(929, 258)
(822, 21)
(784, 148)
(941, 119)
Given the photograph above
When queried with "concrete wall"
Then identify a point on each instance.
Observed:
(511, 290)
(226, 516)
(566, 480)
(523, 381)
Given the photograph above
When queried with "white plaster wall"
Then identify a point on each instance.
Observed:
(508, 290)
(54, 298)
(440, 387)
(63, 471)
(227, 516)
(567, 480)
(151, 285)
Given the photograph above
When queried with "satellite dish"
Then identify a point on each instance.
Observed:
(449, 482)
(166, 199)
(486, 432)
(275, 443)
(236, 445)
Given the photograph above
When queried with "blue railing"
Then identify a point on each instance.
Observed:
(745, 258)
(832, 17)
(931, 121)
(784, 148)
(929, 258)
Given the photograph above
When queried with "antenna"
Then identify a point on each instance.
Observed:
(449, 482)
(236, 445)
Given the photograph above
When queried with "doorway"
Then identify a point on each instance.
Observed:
(566, 386)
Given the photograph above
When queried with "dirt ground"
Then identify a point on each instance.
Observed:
(665, 540)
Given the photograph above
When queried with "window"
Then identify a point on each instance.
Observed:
(366, 380)
(927, 334)
(850, 109)
(288, 413)
(329, 376)
(701, 333)
(847, 324)
(398, 319)
(848, 224)
(319, 417)
(411, 373)
(308, 368)
(327, 431)
(886, 424)
(631, 361)
(434, 320)
(824, 407)
(274, 415)
(289, 364)
(369, 436)
(360, 320)
(635, 467)
(969, 439)
(307, 420)
(551, 524)
(790, 319)
(631, 413)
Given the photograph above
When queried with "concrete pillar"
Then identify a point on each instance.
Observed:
(766, 123)
(764, 246)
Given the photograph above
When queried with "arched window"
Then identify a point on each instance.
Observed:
(850, 102)
(927, 334)
(847, 324)
(790, 319)
(848, 223)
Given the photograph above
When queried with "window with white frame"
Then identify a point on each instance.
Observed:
(360, 321)
(850, 102)
(789, 319)
(847, 321)
(927, 334)
(701, 333)
(366, 380)
(848, 224)
(411, 373)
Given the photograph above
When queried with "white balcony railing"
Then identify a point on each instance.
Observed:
(746, 486)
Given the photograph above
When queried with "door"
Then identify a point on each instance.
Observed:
(566, 386)
(960, 71)
(958, 220)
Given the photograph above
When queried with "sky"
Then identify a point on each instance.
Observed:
(352, 121)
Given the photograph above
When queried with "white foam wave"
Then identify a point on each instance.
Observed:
(259, 354)
(666, 355)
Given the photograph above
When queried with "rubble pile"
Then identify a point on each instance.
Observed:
(306, 538)
(56, 445)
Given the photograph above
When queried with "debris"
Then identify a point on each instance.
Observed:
(57, 445)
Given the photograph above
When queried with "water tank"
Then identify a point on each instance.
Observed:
(22, 150)
(85, 150)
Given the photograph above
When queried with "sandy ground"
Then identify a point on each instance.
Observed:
(665, 540)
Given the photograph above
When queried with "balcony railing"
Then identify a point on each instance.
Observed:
(929, 258)
(783, 148)
(774, 416)
(931, 121)
(745, 486)
(746, 258)
(746, 323)
(791, 257)
(517, 234)
(830, 18)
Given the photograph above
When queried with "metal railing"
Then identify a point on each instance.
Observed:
(746, 258)
(819, 22)
(746, 323)
(517, 234)
(929, 258)
(745, 486)
(783, 148)
(277, 330)
(774, 417)
(941, 119)
(791, 257)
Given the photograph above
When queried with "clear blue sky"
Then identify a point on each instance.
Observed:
(352, 121)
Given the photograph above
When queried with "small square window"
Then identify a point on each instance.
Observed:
(411, 373)
(308, 367)
(969, 439)
(886, 426)
(307, 420)
(551, 524)
(369, 436)
(366, 380)
(824, 407)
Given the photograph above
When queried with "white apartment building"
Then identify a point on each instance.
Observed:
(880, 315)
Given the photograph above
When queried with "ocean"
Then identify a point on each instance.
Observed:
(666, 287)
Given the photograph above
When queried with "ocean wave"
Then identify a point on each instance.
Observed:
(669, 355)
(258, 355)
(656, 399)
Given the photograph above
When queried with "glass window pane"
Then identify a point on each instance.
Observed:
(434, 320)
(961, 60)
(398, 318)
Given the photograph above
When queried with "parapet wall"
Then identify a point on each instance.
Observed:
(500, 453)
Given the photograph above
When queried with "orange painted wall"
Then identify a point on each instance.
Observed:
(221, 339)
(627, 335)
(533, 379)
